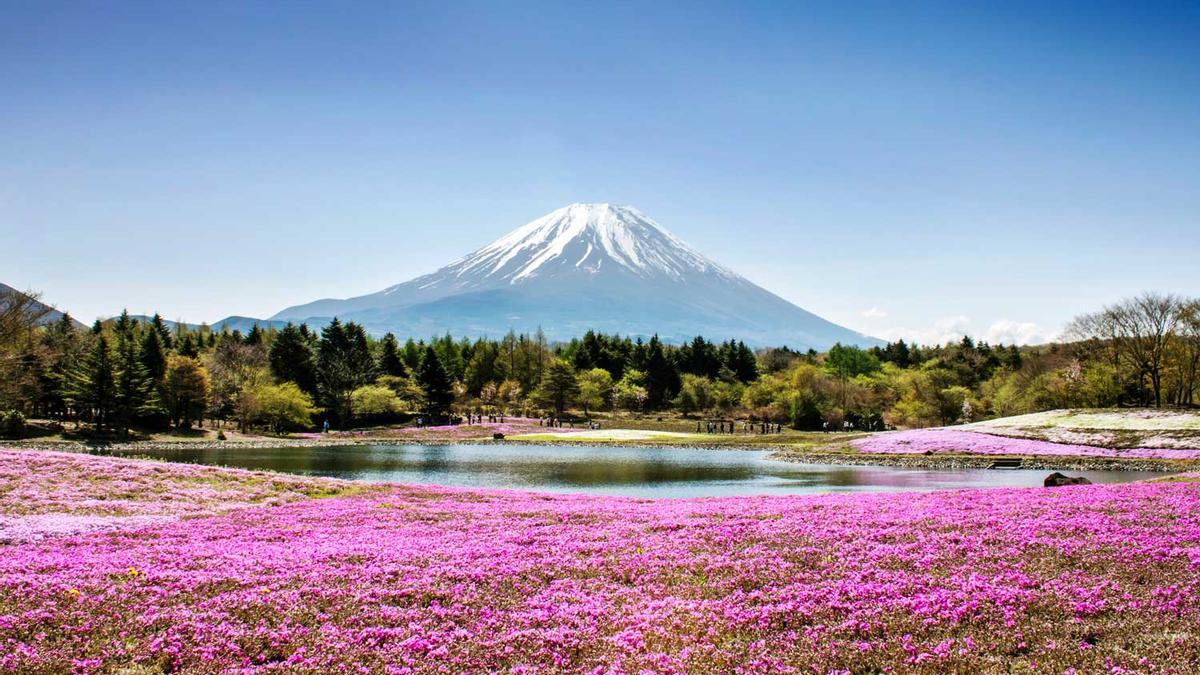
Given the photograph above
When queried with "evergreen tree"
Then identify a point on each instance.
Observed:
(586, 352)
(255, 336)
(153, 356)
(291, 358)
(1014, 357)
(701, 357)
(164, 333)
(481, 369)
(390, 362)
(740, 361)
(65, 347)
(662, 379)
(361, 361)
(412, 354)
(153, 360)
(558, 387)
(435, 383)
(93, 387)
(132, 383)
(343, 364)
(187, 346)
(450, 356)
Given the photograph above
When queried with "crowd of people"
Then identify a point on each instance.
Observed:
(732, 426)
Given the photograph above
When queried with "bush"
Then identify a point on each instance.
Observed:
(283, 407)
(374, 401)
(12, 424)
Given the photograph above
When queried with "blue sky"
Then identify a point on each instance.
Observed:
(915, 170)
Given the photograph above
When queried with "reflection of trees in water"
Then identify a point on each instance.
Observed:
(602, 472)
(531, 468)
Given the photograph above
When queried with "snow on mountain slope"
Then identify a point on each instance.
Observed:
(571, 243)
(618, 236)
(585, 266)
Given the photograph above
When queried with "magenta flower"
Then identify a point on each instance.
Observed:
(404, 579)
(961, 441)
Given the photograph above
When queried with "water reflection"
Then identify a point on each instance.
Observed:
(640, 472)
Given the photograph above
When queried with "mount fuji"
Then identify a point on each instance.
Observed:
(586, 266)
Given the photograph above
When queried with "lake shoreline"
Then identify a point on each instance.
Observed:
(781, 452)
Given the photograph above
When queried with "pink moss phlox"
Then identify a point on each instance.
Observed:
(945, 440)
(1098, 578)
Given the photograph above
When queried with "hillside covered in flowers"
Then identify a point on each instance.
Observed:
(402, 579)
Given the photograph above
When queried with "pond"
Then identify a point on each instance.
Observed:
(607, 470)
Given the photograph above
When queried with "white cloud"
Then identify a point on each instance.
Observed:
(953, 328)
(946, 329)
(1019, 332)
(874, 313)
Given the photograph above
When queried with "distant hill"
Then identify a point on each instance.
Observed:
(230, 323)
(52, 315)
(586, 266)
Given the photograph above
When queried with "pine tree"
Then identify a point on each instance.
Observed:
(255, 336)
(131, 380)
(361, 361)
(662, 379)
(481, 369)
(1014, 357)
(164, 333)
(65, 347)
(435, 383)
(390, 362)
(449, 355)
(745, 363)
(187, 346)
(412, 354)
(92, 385)
(152, 354)
(343, 363)
(153, 360)
(292, 360)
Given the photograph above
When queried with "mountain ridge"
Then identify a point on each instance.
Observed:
(585, 266)
(51, 315)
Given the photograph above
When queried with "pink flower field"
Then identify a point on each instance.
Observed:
(945, 440)
(402, 579)
(54, 493)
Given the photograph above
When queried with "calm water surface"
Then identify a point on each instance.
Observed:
(636, 472)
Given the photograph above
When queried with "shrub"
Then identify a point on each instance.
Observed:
(374, 401)
(284, 406)
(12, 424)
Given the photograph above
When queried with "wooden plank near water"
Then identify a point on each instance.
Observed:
(1006, 463)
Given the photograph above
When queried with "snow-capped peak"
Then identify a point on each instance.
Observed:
(586, 267)
(586, 237)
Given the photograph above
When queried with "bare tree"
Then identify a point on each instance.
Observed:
(20, 314)
(1189, 349)
(1139, 329)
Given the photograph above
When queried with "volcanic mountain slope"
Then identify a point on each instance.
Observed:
(48, 313)
(585, 266)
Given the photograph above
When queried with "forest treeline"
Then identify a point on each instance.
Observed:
(122, 374)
